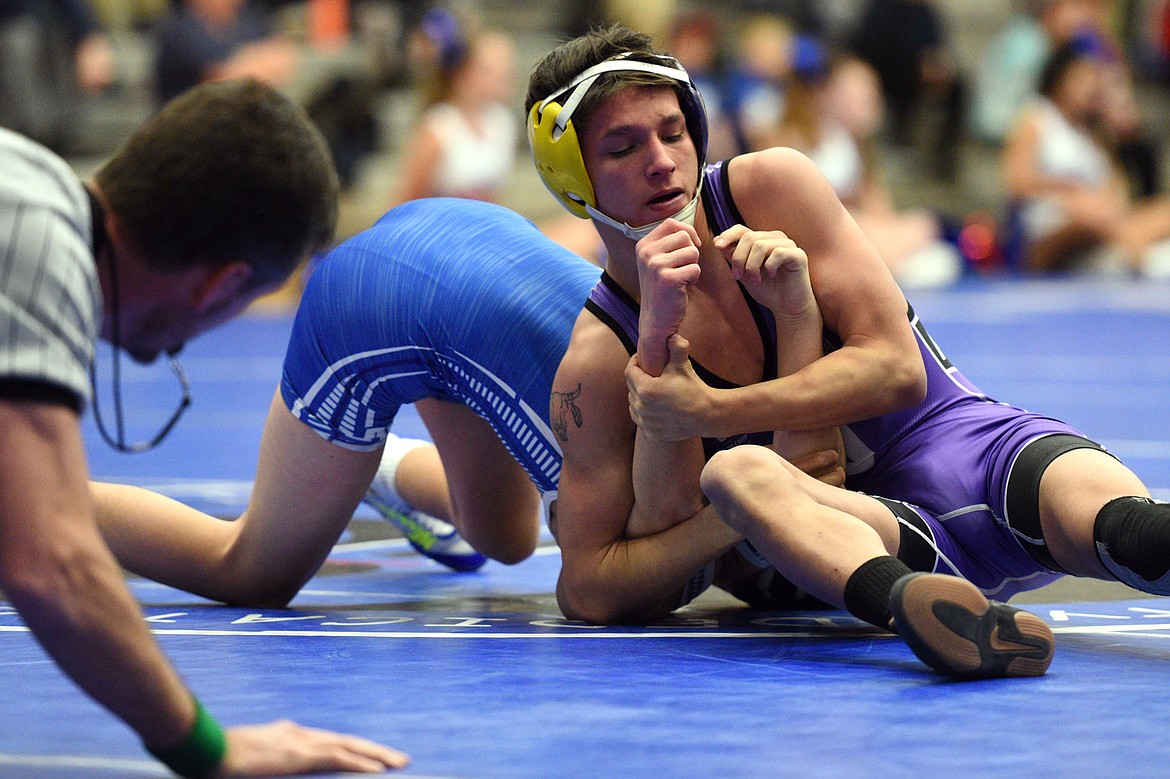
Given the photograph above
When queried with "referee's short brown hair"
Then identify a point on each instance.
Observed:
(227, 171)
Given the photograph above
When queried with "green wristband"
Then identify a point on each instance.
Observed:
(201, 750)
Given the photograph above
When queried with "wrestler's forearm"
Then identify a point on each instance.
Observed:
(799, 344)
(666, 484)
(848, 385)
(164, 540)
(633, 580)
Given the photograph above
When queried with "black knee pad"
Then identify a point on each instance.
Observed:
(1022, 505)
(1132, 536)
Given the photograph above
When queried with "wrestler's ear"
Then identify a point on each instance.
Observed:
(222, 284)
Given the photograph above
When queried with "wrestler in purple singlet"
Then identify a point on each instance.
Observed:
(951, 457)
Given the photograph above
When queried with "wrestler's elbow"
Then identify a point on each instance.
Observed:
(272, 592)
(575, 601)
(261, 598)
(565, 600)
(583, 598)
(906, 380)
(594, 604)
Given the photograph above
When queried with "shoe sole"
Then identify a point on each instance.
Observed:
(957, 631)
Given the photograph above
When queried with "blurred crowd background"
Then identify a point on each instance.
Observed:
(1000, 136)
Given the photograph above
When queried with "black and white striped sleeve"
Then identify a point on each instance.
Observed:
(49, 296)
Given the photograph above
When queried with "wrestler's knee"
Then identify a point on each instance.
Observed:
(506, 539)
(744, 481)
(739, 470)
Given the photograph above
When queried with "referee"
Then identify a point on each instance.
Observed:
(212, 203)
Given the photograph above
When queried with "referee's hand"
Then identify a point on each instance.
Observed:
(285, 748)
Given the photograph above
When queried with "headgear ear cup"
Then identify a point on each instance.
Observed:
(695, 110)
(558, 159)
(557, 152)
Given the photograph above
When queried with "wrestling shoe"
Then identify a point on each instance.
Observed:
(429, 535)
(955, 630)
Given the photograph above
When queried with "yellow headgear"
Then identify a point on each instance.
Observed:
(557, 154)
(556, 149)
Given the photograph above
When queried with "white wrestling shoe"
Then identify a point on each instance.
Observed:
(429, 535)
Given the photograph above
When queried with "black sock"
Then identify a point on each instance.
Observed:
(1135, 532)
(867, 593)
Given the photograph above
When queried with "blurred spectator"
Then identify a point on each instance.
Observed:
(833, 114)
(905, 42)
(1010, 69)
(757, 82)
(1072, 204)
(465, 140)
(344, 111)
(653, 17)
(696, 42)
(581, 16)
(819, 18)
(1150, 34)
(1135, 147)
(52, 52)
(215, 40)
(380, 33)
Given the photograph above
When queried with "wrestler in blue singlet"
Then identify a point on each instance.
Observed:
(957, 457)
(442, 298)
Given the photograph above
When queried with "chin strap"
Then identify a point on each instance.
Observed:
(686, 215)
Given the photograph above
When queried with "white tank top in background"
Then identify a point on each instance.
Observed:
(1065, 153)
(838, 157)
(475, 161)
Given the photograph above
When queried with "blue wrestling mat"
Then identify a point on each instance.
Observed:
(478, 675)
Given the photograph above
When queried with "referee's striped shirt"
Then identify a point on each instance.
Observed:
(50, 301)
